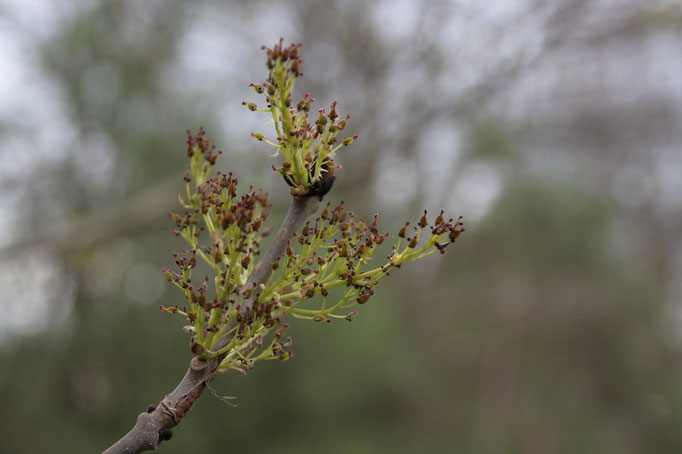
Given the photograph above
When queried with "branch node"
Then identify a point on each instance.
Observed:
(170, 412)
(197, 364)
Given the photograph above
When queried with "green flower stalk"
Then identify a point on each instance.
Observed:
(325, 269)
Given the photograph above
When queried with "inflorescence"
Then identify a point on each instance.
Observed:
(326, 269)
(308, 149)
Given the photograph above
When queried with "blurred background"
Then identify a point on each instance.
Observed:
(554, 128)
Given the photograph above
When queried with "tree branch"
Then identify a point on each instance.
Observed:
(153, 426)
(299, 210)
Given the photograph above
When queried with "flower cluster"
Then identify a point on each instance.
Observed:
(334, 251)
(234, 226)
(308, 149)
(326, 268)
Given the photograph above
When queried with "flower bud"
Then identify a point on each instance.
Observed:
(454, 234)
(195, 347)
(246, 260)
(439, 219)
(227, 220)
(341, 125)
(403, 231)
(308, 291)
(349, 140)
(423, 222)
(364, 296)
(373, 227)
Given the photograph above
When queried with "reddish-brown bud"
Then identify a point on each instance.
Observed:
(373, 227)
(454, 234)
(364, 296)
(195, 347)
(423, 222)
(246, 260)
(439, 219)
(227, 220)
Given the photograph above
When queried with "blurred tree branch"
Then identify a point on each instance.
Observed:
(110, 221)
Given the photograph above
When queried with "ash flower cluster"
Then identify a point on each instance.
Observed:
(308, 149)
(234, 229)
(327, 268)
(335, 251)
